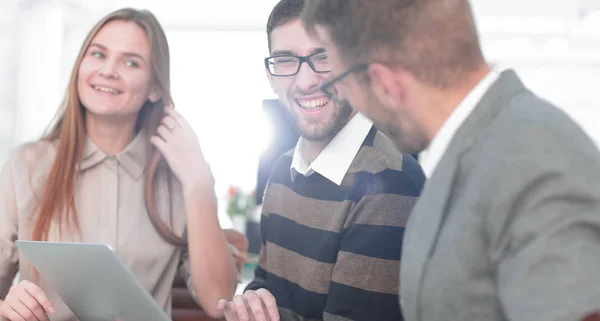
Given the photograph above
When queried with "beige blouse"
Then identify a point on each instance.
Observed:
(109, 199)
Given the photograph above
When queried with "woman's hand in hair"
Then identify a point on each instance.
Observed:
(26, 301)
(178, 143)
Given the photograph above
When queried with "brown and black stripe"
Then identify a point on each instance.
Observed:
(333, 252)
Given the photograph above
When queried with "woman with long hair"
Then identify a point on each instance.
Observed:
(118, 166)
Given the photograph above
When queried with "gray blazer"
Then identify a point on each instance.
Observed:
(508, 226)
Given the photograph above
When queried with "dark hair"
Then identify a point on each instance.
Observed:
(283, 12)
(435, 40)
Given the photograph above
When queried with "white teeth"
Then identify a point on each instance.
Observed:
(313, 104)
(107, 90)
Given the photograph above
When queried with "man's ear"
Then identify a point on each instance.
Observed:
(386, 86)
(155, 95)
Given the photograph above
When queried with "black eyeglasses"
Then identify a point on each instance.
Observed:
(328, 87)
(289, 65)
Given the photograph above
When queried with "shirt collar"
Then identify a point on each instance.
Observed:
(335, 160)
(444, 136)
(133, 158)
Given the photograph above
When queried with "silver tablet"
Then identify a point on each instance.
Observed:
(93, 281)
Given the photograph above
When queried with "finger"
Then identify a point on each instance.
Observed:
(23, 311)
(40, 297)
(34, 306)
(164, 133)
(240, 256)
(221, 305)
(270, 303)
(11, 315)
(159, 143)
(169, 122)
(240, 307)
(228, 310)
(255, 305)
(177, 116)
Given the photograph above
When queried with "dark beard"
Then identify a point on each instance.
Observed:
(342, 114)
(405, 144)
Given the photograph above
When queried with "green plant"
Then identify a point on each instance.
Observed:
(239, 203)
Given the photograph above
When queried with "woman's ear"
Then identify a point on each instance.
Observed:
(155, 95)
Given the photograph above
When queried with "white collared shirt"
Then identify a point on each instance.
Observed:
(444, 136)
(335, 160)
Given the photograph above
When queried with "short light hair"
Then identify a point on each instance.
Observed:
(435, 40)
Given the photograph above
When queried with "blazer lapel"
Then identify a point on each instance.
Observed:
(421, 233)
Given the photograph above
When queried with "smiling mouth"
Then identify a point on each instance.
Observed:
(312, 104)
(107, 90)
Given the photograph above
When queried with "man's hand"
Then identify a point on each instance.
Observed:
(256, 305)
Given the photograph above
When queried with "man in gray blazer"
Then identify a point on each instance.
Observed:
(508, 226)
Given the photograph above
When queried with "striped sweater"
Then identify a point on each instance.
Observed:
(332, 252)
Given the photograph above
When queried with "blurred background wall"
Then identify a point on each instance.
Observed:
(218, 79)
